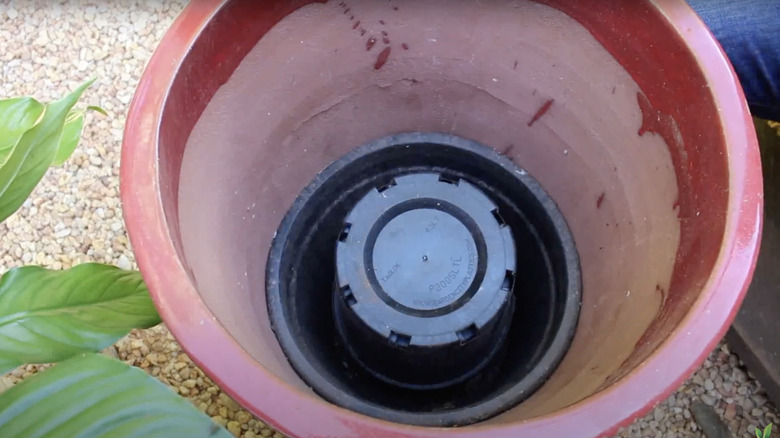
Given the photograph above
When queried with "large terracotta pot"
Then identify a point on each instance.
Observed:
(627, 113)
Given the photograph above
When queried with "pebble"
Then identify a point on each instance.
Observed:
(730, 412)
(234, 427)
(5, 383)
(243, 417)
(708, 400)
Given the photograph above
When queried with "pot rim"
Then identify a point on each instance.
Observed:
(212, 348)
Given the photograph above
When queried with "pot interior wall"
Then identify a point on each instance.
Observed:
(545, 84)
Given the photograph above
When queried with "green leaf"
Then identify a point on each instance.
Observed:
(33, 154)
(17, 116)
(95, 396)
(71, 133)
(767, 430)
(759, 434)
(98, 109)
(48, 316)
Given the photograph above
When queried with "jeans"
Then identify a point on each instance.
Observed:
(749, 32)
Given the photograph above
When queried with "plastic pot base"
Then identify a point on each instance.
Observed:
(381, 313)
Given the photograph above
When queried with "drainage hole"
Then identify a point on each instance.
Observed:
(509, 281)
(384, 187)
(349, 297)
(400, 340)
(345, 232)
(499, 219)
(448, 179)
(467, 333)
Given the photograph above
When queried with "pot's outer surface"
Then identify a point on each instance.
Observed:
(146, 185)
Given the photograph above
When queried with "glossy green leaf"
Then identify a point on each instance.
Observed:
(768, 430)
(17, 116)
(50, 315)
(97, 109)
(93, 396)
(71, 133)
(33, 154)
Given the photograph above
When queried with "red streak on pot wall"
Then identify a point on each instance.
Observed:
(542, 111)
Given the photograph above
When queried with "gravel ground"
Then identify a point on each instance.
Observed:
(74, 216)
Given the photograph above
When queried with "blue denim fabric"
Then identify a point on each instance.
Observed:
(749, 32)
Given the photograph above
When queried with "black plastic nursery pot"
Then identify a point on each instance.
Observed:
(426, 279)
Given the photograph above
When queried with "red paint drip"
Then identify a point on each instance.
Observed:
(542, 111)
(357, 24)
(384, 33)
(600, 200)
(386, 40)
(654, 121)
(362, 32)
(405, 46)
(382, 22)
(381, 60)
(370, 43)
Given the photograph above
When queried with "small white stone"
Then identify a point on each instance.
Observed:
(5, 383)
(62, 233)
(43, 38)
(124, 263)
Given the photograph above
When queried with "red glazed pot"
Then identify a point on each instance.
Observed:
(627, 113)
